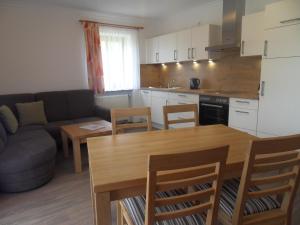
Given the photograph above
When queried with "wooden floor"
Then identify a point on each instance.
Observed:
(65, 200)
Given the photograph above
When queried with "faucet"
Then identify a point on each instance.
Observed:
(171, 83)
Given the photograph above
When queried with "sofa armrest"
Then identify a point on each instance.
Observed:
(103, 113)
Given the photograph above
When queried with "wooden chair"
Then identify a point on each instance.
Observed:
(259, 186)
(130, 112)
(180, 109)
(167, 201)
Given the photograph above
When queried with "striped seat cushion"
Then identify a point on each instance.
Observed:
(136, 209)
(229, 196)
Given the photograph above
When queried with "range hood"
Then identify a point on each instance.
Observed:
(233, 11)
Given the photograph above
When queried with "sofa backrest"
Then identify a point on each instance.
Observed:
(11, 100)
(3, 137)
(59, 105)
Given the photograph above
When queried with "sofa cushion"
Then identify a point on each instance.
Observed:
(81, 104)
(31, 113)
(24, 153)
(9, 120)
(54, 128)
(2, 145)
(11, 100)
(87, 119)
(56, 105)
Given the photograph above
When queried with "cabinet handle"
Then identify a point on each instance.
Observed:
(242, 112)
(182, 103)
(263, 84)
(182, 96)
(189, 53)
(244, 102)
(266, 49)
(175, 55)
(243, 48)
(212, 105)
(289, 21)
(193, 52)
(146, 92)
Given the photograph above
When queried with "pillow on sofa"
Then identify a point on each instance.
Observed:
(31, 113)
(9, 120)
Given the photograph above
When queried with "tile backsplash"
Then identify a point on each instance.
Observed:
(230, 73)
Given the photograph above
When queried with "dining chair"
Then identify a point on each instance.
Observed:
(127, 113)
(166, 202)
(171, 109)
(267, 188)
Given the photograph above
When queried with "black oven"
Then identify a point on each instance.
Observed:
(213, 110)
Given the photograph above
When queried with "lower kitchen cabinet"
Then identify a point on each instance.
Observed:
(158, 101)
(243, 115)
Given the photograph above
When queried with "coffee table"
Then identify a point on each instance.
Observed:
(79, 136)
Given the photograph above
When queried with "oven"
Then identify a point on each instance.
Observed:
(213, 110)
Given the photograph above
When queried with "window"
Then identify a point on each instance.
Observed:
(120, 56)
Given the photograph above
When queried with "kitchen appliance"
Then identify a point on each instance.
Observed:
(213, 110)
(194, 83)
(233, 11)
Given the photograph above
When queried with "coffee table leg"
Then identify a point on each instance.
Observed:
(64, 138)
(77, 155)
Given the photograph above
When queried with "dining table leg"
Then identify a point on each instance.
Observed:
(102, 208)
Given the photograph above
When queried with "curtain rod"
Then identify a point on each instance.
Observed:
(113, 25)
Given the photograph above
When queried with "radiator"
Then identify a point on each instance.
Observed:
(114, 101)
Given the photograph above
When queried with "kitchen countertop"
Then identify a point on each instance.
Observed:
(210, 92)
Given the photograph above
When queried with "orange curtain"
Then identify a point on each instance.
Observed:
(94, 57)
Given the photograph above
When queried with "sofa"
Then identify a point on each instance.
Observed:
(27, 158)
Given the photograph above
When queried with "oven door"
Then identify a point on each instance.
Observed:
(210, 114)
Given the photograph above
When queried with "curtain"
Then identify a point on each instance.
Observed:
(120, 54)
(94, 57)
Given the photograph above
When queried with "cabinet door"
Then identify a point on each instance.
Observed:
(282, 13)
(279, 106)
(167, 48)
(146, 98)
(184, 45)
(200, 40)
(252, 34)
(153, 50)
(157, 104)
(282, 42)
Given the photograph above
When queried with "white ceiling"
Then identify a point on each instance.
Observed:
(138, 8)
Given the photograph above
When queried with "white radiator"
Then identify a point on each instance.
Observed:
(114, 101)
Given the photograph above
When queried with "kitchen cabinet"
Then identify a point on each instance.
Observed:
(279, 107)
(202, 37)
(146, 98)
(152, 50)
(282, 13)
(167, 48)
(158, 101)
(282, 42)
(184, 47)
(243, 115)
(252, 34)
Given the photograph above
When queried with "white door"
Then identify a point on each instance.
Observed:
(282, 42)
(252, 34)
(153, 49)
(146, 98)
(184, 45)
(167, 48)
(279, 105)
(157, 104)
(282, 13)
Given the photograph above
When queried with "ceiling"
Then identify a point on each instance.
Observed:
(138, 8)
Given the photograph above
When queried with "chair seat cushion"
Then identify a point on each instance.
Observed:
(229, 196)
(135, 208)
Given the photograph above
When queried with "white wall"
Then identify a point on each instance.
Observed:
(42, 48)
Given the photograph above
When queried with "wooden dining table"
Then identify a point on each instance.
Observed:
(118, 164)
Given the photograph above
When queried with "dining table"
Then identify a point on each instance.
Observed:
(118, 163)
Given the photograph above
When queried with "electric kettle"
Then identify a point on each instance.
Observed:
(194, 83)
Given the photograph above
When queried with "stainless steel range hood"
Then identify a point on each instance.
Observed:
(233, 11)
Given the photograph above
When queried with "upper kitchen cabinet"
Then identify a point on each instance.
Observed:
(202, 37)
(152, 50)
(167, 48)
(184, 45)
(252, 34)
(282, 13)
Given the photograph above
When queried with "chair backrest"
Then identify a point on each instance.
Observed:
(130, 112)
(183, 170)
(266, 157)
(180, 109)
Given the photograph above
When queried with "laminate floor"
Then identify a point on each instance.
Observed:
(65, 200)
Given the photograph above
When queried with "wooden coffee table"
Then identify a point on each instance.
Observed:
(79, 136)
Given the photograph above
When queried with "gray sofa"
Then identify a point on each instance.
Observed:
(27, 158)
